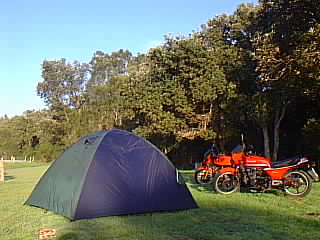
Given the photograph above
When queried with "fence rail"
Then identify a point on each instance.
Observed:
(16, 161)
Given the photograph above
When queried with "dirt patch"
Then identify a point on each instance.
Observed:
(311, 214)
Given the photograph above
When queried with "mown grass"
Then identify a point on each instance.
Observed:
(238, 216)
(11, 165)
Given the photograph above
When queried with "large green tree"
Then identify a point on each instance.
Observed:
(282, 28)
(179, 90)
(63, 83)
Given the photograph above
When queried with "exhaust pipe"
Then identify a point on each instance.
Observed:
(276, 183)
(313, 174)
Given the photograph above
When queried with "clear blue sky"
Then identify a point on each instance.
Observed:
(35, 30)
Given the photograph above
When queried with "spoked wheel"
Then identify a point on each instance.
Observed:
(203, 176)
(226, 183)
(297, 183)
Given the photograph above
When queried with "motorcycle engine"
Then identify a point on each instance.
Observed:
(257, 180)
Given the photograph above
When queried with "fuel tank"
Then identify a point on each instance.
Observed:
(222, 160)
(254, 161)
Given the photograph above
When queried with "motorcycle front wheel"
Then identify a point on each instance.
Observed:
(226, 183)
(297, 183)
(203, 176)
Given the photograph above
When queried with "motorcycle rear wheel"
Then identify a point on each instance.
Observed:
(297, 183)
(203, 176)
(226, 183)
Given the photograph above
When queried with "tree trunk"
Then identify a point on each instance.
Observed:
(266, 141)
(276, 138)
(221, 126)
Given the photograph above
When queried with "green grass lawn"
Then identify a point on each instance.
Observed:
(246, 216)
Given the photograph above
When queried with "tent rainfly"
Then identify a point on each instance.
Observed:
(111, 173)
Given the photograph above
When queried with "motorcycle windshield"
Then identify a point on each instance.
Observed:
(237, 149)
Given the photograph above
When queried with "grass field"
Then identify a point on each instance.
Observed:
(239, 216)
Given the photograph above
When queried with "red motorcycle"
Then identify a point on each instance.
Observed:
(212, 162)
(294, 176)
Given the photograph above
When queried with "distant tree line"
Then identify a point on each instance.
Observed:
(255, 72)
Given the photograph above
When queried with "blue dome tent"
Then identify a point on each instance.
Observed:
(111, 173)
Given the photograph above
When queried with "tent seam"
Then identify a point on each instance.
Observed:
(85, 176)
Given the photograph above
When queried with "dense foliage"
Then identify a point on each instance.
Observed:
(255, 71)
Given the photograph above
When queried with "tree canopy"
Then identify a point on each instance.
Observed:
(255, 71)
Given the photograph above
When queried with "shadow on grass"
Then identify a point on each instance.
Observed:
(275, 192)
(202, 187)
(189, 178)
(69, 236)
(6, 178)
(83, 229)
(223, 221)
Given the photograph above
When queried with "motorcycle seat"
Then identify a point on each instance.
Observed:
(287, 162)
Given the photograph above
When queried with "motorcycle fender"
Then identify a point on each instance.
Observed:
(202, 168)
(228, 170)
(213, 171)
